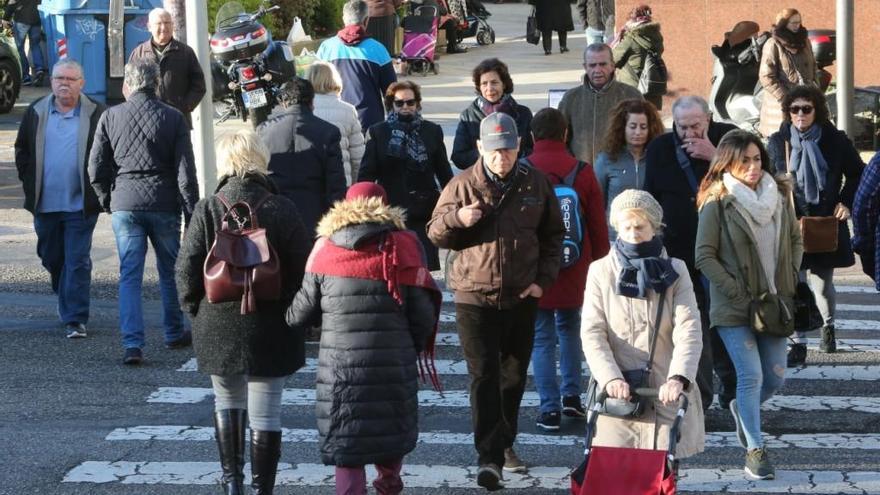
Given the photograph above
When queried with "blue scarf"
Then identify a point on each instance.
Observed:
(405, 141)
(807, 163)
(642, 268)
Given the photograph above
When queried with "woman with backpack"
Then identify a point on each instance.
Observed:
(638, 40)
(247, 355)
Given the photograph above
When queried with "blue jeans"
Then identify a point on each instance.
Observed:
(564, 324)
(760, 371)
(64, 245)
(32, 33)
(132, 228)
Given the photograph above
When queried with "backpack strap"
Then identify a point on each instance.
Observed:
(239, 221)
(570, 178)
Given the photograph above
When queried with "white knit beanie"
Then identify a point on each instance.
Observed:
(634, 199)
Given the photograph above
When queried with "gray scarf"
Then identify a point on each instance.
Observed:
(807, 163)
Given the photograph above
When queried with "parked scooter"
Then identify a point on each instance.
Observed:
(249, 68)
(736, 93)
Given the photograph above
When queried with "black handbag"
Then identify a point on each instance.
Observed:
(533, 36)
(637, 378)
(421, 204)
(806, 313)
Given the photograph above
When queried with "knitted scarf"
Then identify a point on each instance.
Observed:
(760, 203)
(807, 163)
(395, 258)
(642, 268)
(406, 141)
(505, 105)
(793, 42)
(352, 35)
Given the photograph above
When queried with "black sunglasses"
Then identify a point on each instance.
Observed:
(409, 103)
(806, 110)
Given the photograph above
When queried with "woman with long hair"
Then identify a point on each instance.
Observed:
(748, 246)
(621, 163)
(639, 36)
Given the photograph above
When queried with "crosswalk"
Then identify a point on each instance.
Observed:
(845, 391)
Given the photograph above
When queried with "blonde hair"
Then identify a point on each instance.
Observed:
(324, 78)
(241, 152)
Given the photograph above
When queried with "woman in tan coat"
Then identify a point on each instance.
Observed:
(619, 311)
(786, 61)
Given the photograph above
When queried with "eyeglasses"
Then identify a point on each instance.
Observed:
(806, 110)
(65, 78)
(402, 103)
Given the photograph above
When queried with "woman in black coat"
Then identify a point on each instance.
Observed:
(367, 286)
(248, 356)
(553, 15)
(406, 155)
(819, 157)
(494, 94)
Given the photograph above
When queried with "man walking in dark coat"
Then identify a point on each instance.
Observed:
(676, 163)
(27, 26)
(143, 171)
(306, 162)
(182, 82)
(51, 155)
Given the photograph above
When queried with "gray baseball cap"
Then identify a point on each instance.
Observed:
(498, 131)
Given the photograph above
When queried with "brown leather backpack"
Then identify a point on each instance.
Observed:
(242, 264)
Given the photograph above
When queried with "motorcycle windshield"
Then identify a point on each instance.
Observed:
(230, 15)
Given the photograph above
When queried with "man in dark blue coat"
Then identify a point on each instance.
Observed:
(143, 171)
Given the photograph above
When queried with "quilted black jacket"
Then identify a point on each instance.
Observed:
(142, 158)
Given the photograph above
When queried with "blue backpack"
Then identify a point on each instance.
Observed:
(572, 215)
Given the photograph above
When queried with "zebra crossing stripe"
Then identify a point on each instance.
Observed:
(856, 441)
(459, 398)
(437, 476)
(831, 372)
(855, 289)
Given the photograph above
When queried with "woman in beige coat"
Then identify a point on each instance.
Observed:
(619, 311)
(786, 61)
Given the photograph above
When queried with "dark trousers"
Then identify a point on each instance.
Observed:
(547, 39)
(497, 344)
(714, 356)
(451, 27)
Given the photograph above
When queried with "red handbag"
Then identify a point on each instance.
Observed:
(242, 264)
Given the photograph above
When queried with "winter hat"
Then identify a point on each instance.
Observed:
(366, 190)
(634, 199)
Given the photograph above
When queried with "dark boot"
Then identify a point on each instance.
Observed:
(828, 342)
(229, 425)
(265, 451)
(797, 355)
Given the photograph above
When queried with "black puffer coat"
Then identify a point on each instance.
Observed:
(843, 162)
(225, 341)
(464, 147)
(367, 382)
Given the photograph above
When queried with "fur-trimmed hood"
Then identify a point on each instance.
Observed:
(365, 217)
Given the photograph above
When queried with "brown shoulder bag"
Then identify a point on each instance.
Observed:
(819, 233)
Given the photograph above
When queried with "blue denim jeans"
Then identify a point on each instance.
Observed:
(132, 229)
(64, 245)
(760, 371)
(563, 325)
(32, 33)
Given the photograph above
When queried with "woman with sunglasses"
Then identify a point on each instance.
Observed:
(819, 156)
(406, 155)
(786, 61)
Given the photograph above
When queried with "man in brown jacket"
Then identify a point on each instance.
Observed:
(182, 82)
(501, 221)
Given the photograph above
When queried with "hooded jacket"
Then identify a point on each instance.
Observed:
(631, 52)
(367, 382)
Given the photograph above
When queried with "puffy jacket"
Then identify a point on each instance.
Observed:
(464, 147)
(516, 243)
(225, 341)
(306, 162)
(142, 158)
(344, 116)
(367, 382)
(182, 82)
(29, 150)
(632, 52)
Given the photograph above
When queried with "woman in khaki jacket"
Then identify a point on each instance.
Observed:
(747, 229)
(620, 306)
(787, 61)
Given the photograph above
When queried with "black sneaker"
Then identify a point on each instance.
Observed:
(75, 331)
(185, 340)
(797, 355)
(758, 466)
(572, 407)
(549, 421)
(133, 356)
(489, 477)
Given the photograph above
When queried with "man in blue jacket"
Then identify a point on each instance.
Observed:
(363, 63)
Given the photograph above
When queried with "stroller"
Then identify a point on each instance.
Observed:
(477, 24)
(420, 40)
(624, 471)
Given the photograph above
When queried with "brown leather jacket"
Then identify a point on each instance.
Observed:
(182, 82)
(517, 242)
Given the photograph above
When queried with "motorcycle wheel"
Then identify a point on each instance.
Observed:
(258, 115)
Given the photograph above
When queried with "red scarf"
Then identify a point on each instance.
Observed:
(396, 258)
(352, 35)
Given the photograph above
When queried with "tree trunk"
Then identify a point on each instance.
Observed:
(178, 17)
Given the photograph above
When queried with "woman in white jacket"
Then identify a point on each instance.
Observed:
(328, 86)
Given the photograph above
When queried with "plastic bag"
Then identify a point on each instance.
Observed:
(303, 61)
(297, 33)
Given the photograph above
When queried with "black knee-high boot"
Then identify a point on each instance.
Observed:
(229, 425)
(265, 451)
